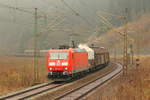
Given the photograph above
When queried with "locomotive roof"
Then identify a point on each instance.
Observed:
(66, 50)
(58, 50)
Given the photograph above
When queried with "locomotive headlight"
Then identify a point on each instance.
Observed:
(50, 68)
(51, 64)
(66, 68)
(65, 64)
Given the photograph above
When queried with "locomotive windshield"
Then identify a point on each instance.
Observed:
(56, 55)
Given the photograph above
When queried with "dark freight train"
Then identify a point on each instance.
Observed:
(66, 63)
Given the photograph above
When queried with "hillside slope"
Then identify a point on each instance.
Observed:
(138, 34)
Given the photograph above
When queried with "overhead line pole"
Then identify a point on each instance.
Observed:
(125, 56)
(35, 47)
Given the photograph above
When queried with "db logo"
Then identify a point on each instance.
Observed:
(58, 63)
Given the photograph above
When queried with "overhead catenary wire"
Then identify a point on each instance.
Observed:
(84, 4)
(76, 13)
(51, 26)
(20, 9)
(108, 24)
(47, 3)
(15, 8)
(70, 8)
(108, 13)
(42, 15)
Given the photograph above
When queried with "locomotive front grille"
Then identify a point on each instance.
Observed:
(57, 74)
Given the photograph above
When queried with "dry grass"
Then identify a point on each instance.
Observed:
(18, 73)
(135, 86)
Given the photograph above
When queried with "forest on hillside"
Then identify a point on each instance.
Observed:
(77, 17)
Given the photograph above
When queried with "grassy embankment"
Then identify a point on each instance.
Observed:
(135, 86)
(18, 72)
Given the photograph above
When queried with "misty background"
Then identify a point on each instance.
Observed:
(58, 20)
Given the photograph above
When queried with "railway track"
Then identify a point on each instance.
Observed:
(24, 94)
(74, 94)
(82, 91)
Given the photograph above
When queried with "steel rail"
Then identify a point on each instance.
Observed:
(28, 92)
(86, 88)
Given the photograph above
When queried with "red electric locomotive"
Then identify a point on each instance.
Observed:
(67, 63)
(63, 63)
